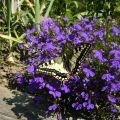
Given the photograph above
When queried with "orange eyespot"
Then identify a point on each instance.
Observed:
(68, 76)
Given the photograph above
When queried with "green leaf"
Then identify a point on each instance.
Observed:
(19, 39)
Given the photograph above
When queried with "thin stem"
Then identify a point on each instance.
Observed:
(37, 13)
(9, 3)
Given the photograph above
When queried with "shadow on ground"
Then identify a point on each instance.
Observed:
(25, 109)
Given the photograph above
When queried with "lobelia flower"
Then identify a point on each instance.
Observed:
(89, 27)
(115, 64)
(21, 45)
(38, 79)
(77, 27)
(55, 93)
(88, 72)
(85, 36)
(50, 87)
(84, 104)
(116, 54)
(66, 19)
(90, 105)
(85, 95)
(115, 87)
(76, 105)
(113, 109)
(31, 69)
(99, 56)
(115, 30)
(20, 81)
(79, 107)
(108, 77)
(112, 99)
(65, 89)
(53, 107)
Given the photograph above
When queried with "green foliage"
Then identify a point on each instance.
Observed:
(85, 8)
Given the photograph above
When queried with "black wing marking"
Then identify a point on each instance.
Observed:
(54, 73)
(55, 69)
(81, 57)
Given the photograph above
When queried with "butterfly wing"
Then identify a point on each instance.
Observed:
(80, 55)
(55, 69)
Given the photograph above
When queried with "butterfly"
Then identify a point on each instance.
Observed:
(61, 68)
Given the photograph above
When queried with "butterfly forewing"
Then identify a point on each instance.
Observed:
(81, 56)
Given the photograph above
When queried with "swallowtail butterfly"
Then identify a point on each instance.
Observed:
(61, 67)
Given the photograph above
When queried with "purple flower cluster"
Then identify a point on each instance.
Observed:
(99, 79)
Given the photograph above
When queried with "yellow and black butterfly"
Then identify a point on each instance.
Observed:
(62, 68)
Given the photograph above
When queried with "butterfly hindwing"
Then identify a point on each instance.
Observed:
(55, 69)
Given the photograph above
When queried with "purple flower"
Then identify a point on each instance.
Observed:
(116, 53)
(90, 106)
(20, 81)
(79, 107)
(65, 19)
(54, 40)
(34, 39)
(50, 87)
(85, 36)
(108, 77)
(21, 45)
(89, 27)
(77, 27)
(115, 31)
(88, 72)
(65, 89)
(84, 104)
(85, 20)
(86, 80)
(31, 81)
(115, 86)
(45, 27)
(71, 37)
(98, 55)
(99, 33)
(115, 64)
(113, 109)
(41, 34)
(85, 95)
(39, 80)
(53, 107)
(33, 30)
(112, 99)
(49, 46)
(31, 69)
(55, 93)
